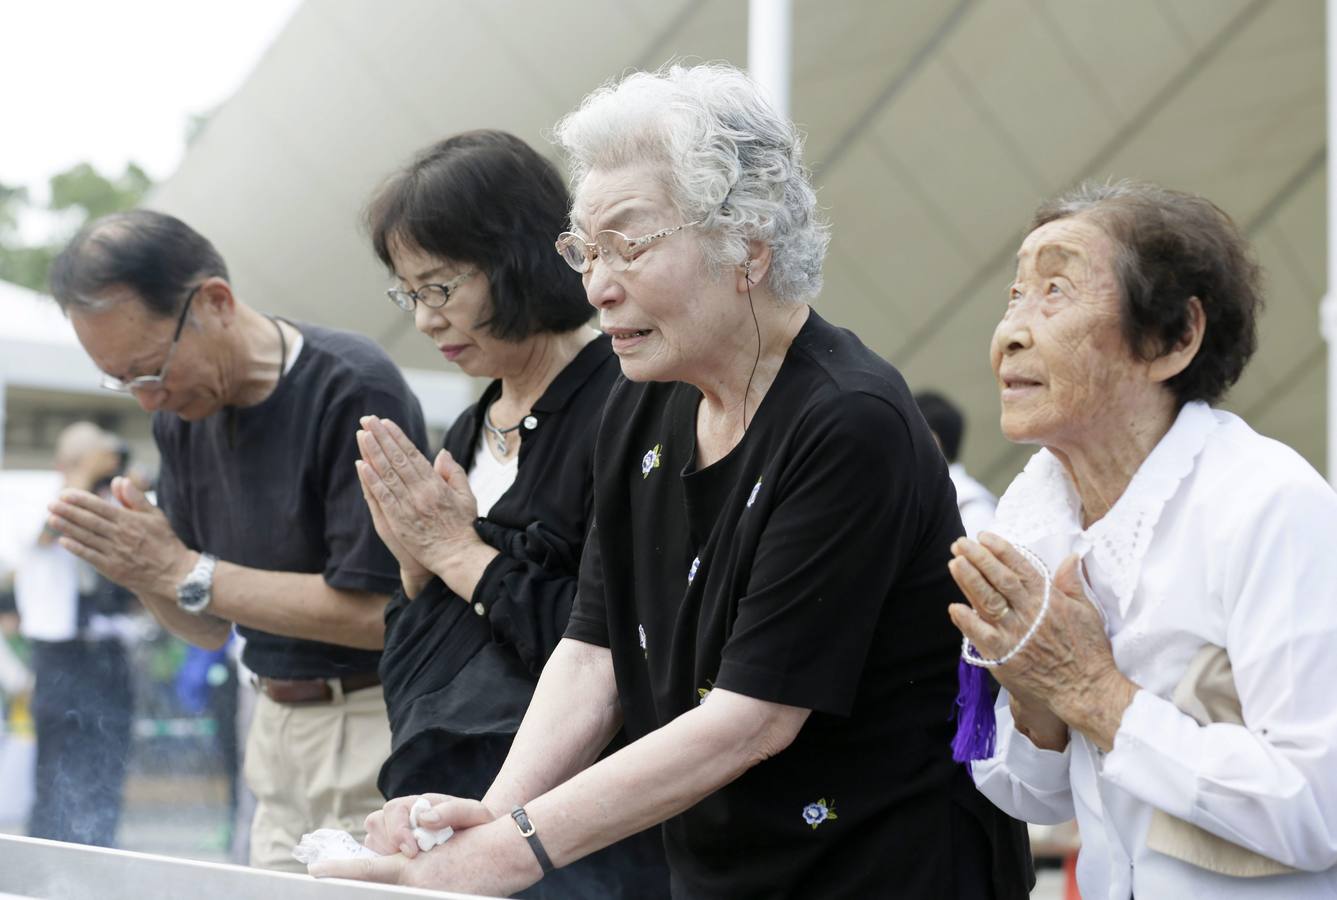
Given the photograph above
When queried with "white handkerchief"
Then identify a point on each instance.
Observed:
(427, 838)
(329, 843)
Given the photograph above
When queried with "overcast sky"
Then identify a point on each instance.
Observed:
(114, 81)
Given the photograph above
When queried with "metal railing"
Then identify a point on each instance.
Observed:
(50, 870)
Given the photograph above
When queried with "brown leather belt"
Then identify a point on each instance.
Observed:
(313, 690)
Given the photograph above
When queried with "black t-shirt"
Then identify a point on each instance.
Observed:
(272, 486)
(807, 567)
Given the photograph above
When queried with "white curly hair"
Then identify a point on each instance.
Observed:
(725, 156)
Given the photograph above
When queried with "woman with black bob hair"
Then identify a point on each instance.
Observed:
(488, 535)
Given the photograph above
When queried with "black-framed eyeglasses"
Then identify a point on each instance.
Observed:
(614, 247)
(432, 296)
(153, 382)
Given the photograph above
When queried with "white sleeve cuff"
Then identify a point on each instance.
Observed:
(1042, 771)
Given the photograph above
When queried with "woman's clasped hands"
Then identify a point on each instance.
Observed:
(1065, 675)
(423, 511)
(460, 862)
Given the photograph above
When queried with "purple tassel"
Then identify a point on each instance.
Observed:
(975, 726)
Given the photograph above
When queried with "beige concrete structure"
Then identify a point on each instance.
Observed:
(934, 128)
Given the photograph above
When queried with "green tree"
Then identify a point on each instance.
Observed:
(19, 263)
(80, 189)
(11, 199)
(84, 188)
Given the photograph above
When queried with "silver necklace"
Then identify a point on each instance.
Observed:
(498, 434)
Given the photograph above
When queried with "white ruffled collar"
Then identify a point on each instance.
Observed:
(1041, 509)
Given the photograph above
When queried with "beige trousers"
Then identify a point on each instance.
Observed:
(313, 766)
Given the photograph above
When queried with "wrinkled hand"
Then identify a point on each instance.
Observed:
(427, 507)
(129, 540)
(390, 831)
(1068, 666)
(412, 573)
(448, 866)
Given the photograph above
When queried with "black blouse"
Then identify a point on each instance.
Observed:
(521, 603)
(459, 676)
(807, 567)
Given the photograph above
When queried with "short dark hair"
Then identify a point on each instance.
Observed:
(945, 418)
(157, 256)
(1171, 246)
(488, 199)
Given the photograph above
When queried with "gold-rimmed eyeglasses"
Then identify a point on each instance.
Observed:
(614, 247)
(432, 296)
(153, 382)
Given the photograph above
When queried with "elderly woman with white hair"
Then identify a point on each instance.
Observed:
(763, 595)
(1158, 598)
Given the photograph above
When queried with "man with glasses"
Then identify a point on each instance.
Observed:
(262, 522)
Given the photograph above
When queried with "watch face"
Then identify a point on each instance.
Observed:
(192, 596)
(194, 593)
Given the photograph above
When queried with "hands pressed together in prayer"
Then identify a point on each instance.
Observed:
(127, 539)
(423, 511)
(1065, 677)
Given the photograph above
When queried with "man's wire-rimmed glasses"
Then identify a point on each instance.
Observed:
(614, 247)
(432, 296)
(153, 382)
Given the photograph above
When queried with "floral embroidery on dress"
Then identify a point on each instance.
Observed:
(650, 460)
(816, 813)
(752, 497)
(704, 692)
(691, 573)
(640, 630)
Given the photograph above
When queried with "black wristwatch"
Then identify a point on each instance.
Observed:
(527, 832)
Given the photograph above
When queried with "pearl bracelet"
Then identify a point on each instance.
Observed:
(971, 655)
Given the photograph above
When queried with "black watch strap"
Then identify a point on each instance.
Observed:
(531, 837)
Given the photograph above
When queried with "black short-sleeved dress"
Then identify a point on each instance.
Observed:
(807, 567)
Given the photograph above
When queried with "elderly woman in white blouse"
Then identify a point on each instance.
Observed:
(1159, 601)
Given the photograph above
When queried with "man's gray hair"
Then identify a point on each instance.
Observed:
(727, 159)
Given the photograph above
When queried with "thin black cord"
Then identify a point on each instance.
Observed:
(757, 361)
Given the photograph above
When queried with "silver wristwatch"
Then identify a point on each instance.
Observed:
(195, 593)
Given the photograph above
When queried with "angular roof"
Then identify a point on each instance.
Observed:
(934, 129)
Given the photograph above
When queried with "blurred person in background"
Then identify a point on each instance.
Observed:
(16, 679)
(17, 742)
(206, 684)
(948, 425)
(489, 537)
(262, 521)
(76, 622)
(1173, 690)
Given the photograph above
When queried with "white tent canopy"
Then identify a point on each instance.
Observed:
(39, 350)
(38, 347)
